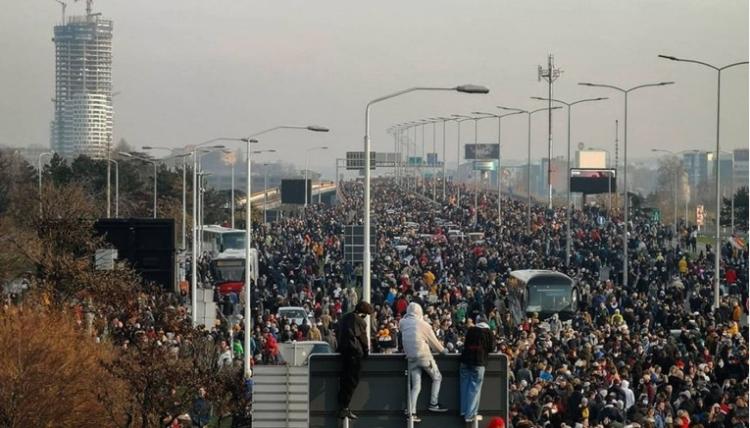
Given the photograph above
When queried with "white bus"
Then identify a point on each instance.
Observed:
(217, 239)
(544, 292)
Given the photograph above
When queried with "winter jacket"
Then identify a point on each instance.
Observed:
(352, 336)
(479, 343)
(417, 335)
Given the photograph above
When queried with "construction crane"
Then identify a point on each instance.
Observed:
(63, 5)
(89, 5)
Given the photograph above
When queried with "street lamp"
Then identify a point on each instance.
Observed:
(459, 118)
(39, 170)
(184, 202)
(567, 171)
(469, 89)
(499, 168)
(117, 187)
(248, 235)
(477, 176)
(528, 157)
(265, 191)
(626, 207)
(444, 120)
(194, 226)
(152, 162)
(717, 256)
(307, 160)
(265, 180)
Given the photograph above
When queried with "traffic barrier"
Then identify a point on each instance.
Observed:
(381, 398)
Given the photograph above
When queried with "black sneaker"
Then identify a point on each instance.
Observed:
(438, 408)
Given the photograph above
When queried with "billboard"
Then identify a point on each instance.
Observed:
(592, 158)
(481, 151)
(592, 181)
(147, 244)
(293, 191)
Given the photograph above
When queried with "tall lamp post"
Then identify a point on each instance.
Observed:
(39, 171)
(265, 191)
(307, 161)
(248, 236)
(499, 159)
(567, 171)
(152, 162)
(717, 250)
(443, 119)
(469, 89)
(529, 113)
(459, 118)
(626, 206)
(194, 227)
(117, 187)
(184, 173)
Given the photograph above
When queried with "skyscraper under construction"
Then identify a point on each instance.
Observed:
(82, 124)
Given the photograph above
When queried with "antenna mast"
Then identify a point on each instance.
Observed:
(89, 4)
(550, 75)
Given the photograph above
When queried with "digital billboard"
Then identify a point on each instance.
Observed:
(592, 181)
(481, 151)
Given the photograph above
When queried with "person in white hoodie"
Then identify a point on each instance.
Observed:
(418, 339)
(629, 394)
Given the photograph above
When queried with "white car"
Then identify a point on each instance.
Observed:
(294, 313)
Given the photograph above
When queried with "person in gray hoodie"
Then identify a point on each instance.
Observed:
(418, 341)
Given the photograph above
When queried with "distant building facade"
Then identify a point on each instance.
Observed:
(741, 176)
(82, 123)
(696, 167)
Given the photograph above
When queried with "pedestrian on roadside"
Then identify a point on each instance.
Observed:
(418, 339)
(479, 343)
(353, 348)
(200, 411)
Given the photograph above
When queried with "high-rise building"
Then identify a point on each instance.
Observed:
(82, 123)
(741, 168)
(697, 168)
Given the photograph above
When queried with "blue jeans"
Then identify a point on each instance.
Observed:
(471, 378)
(415, 370)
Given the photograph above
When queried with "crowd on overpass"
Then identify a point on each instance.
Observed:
(651, 351)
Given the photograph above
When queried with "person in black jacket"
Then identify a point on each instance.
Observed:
(353, 347)
(477, 346)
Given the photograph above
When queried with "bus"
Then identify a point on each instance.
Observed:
(543, 292)
(228, 270)
(217, 239)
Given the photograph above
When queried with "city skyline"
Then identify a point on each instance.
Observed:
(205, 68)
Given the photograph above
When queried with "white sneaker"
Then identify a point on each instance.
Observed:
(475, 418)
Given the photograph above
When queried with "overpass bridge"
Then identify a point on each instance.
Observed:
(271, 198)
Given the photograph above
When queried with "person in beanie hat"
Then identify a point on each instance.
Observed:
(353, 347)
(479, 343)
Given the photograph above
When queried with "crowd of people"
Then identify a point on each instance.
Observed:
(651, 351)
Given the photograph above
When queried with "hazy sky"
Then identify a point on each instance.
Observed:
(191, 70)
